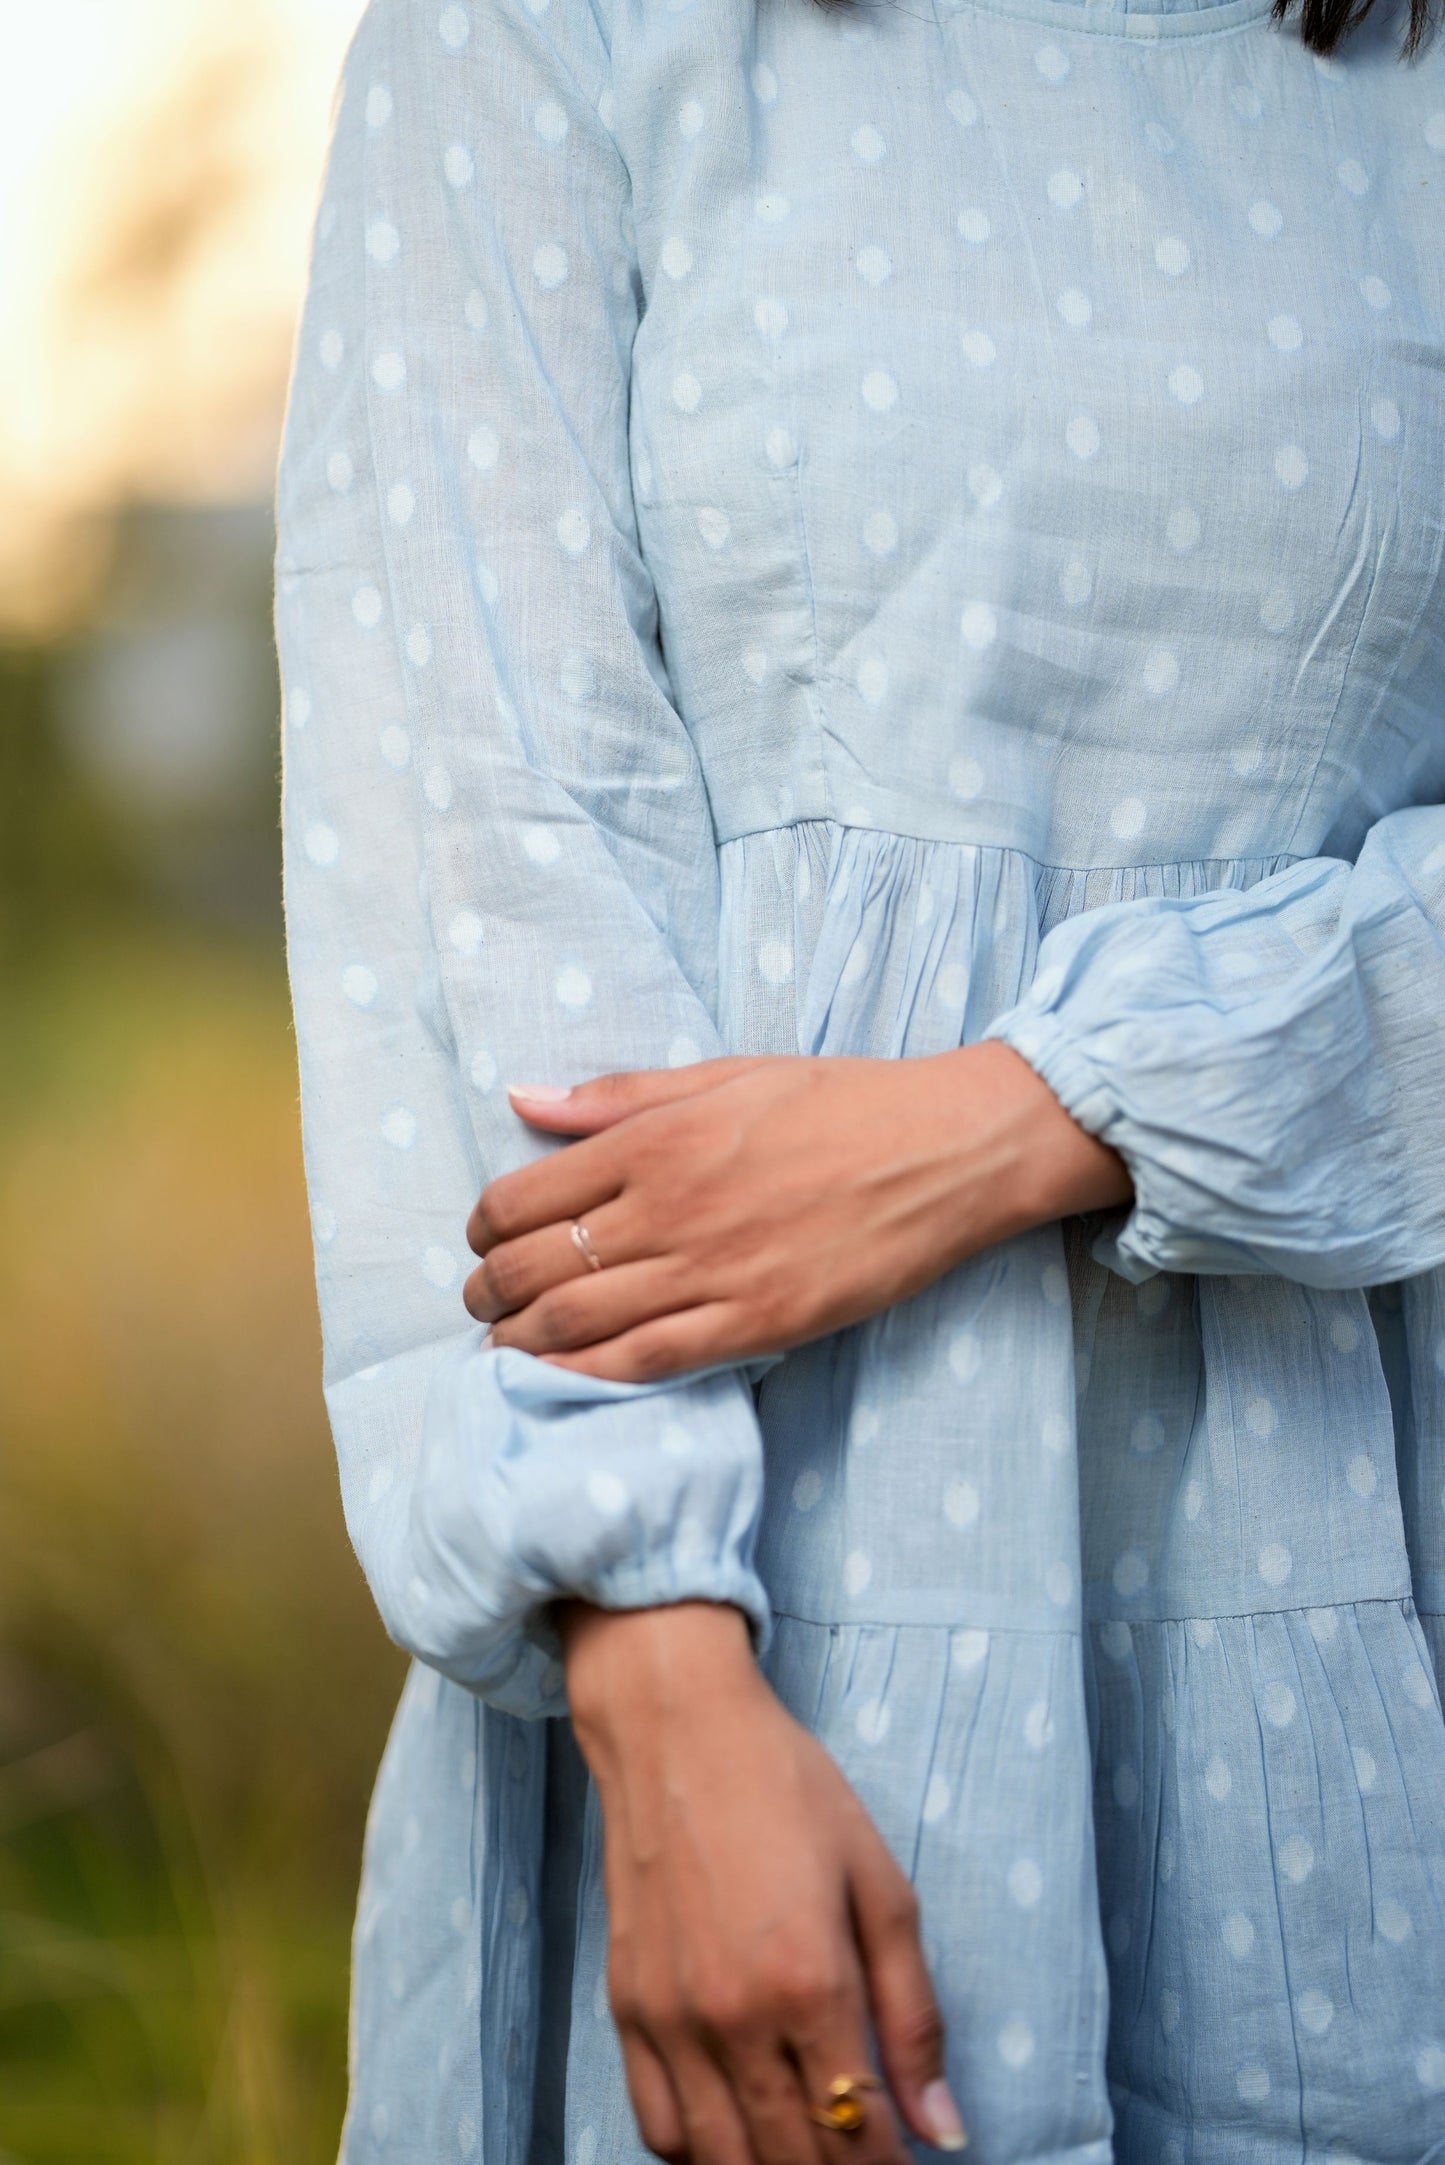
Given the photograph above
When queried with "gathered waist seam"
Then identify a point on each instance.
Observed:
(1275, 860)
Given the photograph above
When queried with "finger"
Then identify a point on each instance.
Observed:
(590, 1310)
(828, 2038)
(606, 1099)
(876, 2141)
(905, 2011)
(517, 1271)
(769, 2092)
(565, 1184)
(654, 2101)
(669, 1345)
(712, 2125)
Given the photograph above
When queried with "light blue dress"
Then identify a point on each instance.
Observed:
(851, 530)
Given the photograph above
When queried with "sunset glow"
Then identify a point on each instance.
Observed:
(159, 161)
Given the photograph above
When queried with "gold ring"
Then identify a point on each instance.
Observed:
(845, 2112)
(582, 1242)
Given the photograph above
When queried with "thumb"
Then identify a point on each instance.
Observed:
(601, 1103)
(906, 2020)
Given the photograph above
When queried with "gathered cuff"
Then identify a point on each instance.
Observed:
(535, 1483)
(1142, 1238)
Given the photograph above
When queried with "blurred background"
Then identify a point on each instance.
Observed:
(193, 1688)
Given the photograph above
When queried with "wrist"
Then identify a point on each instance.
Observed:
(1041, 1160)
(635, 1675)
(1071, 1169)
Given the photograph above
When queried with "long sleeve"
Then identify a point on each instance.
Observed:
(499, 859)
(1269, 1064)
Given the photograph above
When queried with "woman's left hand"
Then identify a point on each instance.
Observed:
(742, 1206)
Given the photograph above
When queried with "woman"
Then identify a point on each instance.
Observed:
(865, 586)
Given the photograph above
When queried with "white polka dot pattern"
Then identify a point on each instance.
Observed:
(857, 536)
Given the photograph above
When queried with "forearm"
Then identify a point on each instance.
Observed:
(759, 1929)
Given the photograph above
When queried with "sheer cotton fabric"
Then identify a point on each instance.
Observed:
(850, 531)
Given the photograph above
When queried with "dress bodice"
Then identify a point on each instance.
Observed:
(1035, 421)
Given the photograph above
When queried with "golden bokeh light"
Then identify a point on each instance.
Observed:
(159, 162)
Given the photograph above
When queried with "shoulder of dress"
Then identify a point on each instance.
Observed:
(572, 38)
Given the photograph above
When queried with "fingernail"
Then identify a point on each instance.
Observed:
(943, 2117)
(539, 1093)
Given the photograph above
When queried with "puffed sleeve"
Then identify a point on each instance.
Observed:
(498, 857)
(1269, 1064)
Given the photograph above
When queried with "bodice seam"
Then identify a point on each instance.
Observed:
(817, 704)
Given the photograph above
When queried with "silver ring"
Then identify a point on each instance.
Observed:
(582, 1242)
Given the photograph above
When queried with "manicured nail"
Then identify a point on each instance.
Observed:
(943, 2117)
(539, 1093)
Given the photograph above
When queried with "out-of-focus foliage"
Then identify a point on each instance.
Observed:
(194, 1689)
(193, 1686)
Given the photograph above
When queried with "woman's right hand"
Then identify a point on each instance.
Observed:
(759, 1928)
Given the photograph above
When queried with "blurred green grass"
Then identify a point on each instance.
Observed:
(193, 1687)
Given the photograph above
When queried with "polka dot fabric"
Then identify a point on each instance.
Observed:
(853, 531)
